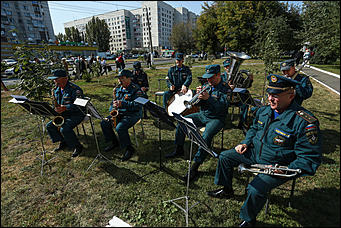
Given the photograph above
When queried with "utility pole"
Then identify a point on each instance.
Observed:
(150, 38)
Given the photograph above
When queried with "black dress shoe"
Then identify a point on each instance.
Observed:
(248, 224)
(221, 193)
(78, 150)
(128, 153)
(62, 146)
(179, 151)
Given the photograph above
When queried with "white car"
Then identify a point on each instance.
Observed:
(9, 62)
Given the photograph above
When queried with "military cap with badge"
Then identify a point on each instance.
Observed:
(211, 70)
(179, 56)
(287, 64)
(126, 73)
(278, 84)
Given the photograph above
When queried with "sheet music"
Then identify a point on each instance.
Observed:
(15, 101)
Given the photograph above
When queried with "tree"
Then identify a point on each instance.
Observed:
(60, 37)
(96, 30)
(33, 76)
(205, 32)
(321, 22)
(181, 38)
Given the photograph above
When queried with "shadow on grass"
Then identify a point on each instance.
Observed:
(121, 174)
(308, 211)
(330, 141)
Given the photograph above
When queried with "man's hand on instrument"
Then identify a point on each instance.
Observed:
(144, 89)
(172, 88)
(60, 109)
(231, 85)
(117, 104)
(184, 89)
(241, 148)
(204, 96)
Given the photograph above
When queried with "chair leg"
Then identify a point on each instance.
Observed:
(292, 191)
(135, 137)
(84, 131)
(77, 130)
(142, 128)
(267, 203)
(222, 139)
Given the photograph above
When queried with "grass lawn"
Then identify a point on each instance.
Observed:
(135, 191)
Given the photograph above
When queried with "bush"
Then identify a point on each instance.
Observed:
(87, 77)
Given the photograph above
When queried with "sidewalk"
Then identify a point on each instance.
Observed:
(325, 78)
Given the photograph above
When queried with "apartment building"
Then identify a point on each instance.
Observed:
(134, 29)
(26, 21)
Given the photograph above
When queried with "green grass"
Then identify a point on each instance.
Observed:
(135, 190)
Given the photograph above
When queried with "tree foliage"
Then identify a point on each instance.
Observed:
(205, 32)
(97, 30)
(182, 39)
(33, 76)
(321, 21)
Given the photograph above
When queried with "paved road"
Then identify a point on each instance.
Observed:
(331, 81)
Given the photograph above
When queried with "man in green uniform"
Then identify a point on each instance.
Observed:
(283, 133)
(304, 90)
(64, 94)
(140, 78)
(179, 78)
(213, 109)
(129, 112)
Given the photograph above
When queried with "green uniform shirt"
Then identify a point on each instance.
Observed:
(292, 139)
(215, 107)
(179, 76)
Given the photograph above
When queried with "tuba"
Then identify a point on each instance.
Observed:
(237, 59)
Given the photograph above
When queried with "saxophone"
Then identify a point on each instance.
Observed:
(114, 113)
(57, 121)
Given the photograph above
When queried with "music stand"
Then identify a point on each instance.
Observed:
(159, 113)
(91, 111)
(194, 135)
(42, 110)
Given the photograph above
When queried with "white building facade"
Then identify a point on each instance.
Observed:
(129, 28)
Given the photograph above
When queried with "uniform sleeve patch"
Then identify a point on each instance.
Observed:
(311, 133)
(282, 133)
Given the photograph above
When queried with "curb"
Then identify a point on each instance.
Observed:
(326, 72)
(338, 93)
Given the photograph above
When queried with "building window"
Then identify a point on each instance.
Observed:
(6, 4)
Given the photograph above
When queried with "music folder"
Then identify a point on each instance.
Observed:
(192, 132)
(40, 108)
(156, 111)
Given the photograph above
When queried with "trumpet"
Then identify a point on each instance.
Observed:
(195, 100)
(270, 170)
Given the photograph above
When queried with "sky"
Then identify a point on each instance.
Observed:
(65, 11)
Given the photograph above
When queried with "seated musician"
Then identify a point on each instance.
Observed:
(283, 133)
(213, 108)
(179, 78)
(140, 78)
(246, 83)
(64, 94)
(129, 112)
(304, 90)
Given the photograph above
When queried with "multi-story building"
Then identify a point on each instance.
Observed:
(130, 30)
(26, 21)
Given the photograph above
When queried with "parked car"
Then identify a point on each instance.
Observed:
(10, 71)
(9, 62)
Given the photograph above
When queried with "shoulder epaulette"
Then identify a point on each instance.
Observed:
(306, 116)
